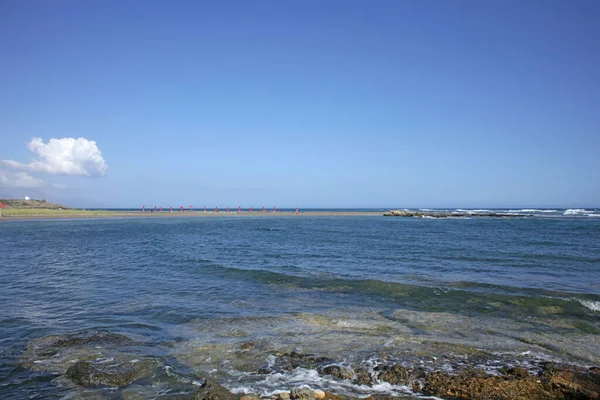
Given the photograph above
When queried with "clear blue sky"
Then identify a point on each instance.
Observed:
(307, 103)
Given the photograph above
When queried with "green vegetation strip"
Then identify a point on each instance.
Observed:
(35, 212)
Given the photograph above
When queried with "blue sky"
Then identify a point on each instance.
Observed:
(310, 104)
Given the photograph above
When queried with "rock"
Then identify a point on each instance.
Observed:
(247, 346)
(575, 384)
(211, 390)
(439, 214)
(363, 377)
(515, 372)
(385, 397)
(88, 374)
(319, 394)
(309, 361)
(249, 397)
(337, 371)
(393, 374)
(553, 383)
(284, 396)
(302, 394)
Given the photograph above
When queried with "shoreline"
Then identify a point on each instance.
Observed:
(187, 214)
(80, 361)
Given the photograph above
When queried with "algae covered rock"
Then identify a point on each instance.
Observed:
(337, 371)
(211, 390)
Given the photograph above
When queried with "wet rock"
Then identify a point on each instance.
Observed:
(89, 374)
(575, 384)
(247, 346)
(301, 394)
(393, 374)
(553, 383)
(515, 372)
(363, 377)
(386, 397)
(211, 390)
(284, 396)
(337, 371)
(310, 361)
(331, 396)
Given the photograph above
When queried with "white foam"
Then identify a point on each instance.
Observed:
(576, 211)
(593, 215)
(532, 210)
(590, 304)
(276, 383)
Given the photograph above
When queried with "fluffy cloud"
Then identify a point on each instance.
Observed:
(19, 180)
(66, 156)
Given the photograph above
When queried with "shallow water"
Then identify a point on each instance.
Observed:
(225, 297)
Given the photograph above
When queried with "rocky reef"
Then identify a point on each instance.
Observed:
(439, 214)
(98, 359)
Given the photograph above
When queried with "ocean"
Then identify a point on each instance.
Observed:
(262, 304)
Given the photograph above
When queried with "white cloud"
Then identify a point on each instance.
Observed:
(66, 156)
(19, 180)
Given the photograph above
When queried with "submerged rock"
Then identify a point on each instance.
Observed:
(50, 345)
(293, 360)
(211, 390)
(87, 374)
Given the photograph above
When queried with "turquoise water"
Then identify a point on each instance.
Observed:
(354, 289)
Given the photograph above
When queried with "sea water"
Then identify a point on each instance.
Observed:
(227, 297)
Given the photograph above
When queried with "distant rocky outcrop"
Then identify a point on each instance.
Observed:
(440, 214)
(20, 203)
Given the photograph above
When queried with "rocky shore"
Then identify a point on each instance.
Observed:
(32, 204)
(439, 214)
(101, 359)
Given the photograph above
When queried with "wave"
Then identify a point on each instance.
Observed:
(533, 210)
(577, 211)
(590, 304)
(311, 379)
(465, 296)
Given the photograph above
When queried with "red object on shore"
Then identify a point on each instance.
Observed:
(3, 205)
(227, 209)
(160, 208)
(263, 209)
(239, 208)
(204, 208)
(250, 208)
(171, 208)
(180, 208)
(217, 209)
(143, 209)
(154, 208)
